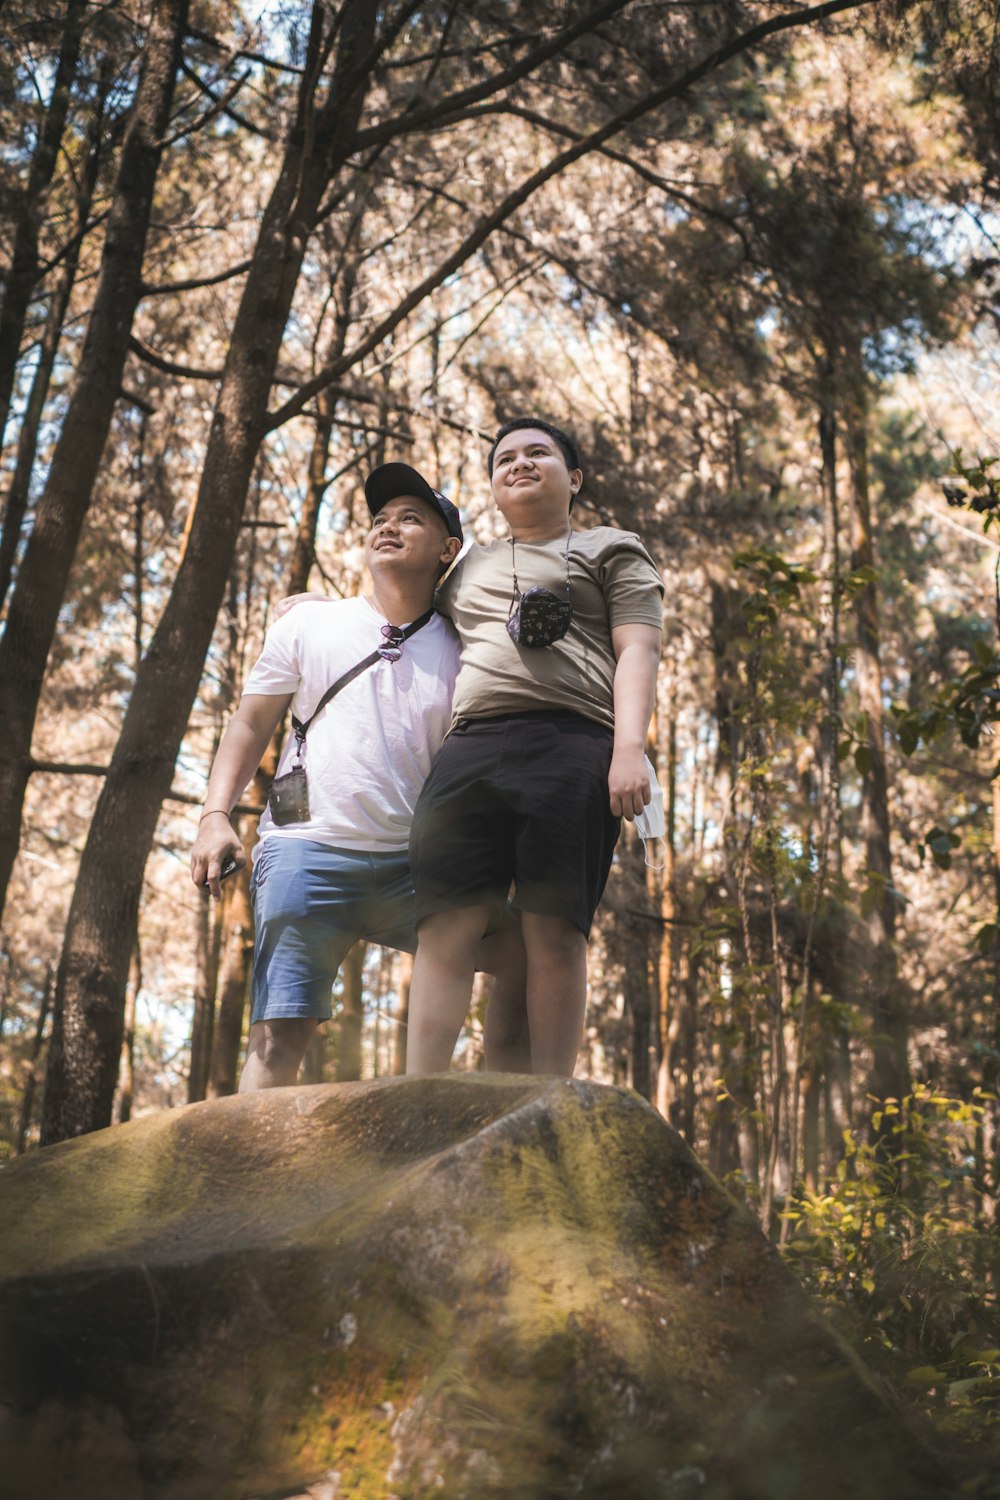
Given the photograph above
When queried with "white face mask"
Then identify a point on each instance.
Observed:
(649, 824)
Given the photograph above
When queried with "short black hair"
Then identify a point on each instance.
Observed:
(518, 424)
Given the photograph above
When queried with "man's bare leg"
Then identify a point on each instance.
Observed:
(506, 1039)
(275, 1052)
(441, 987)
(557, 991)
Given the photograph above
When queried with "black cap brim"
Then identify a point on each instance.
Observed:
(390, 481)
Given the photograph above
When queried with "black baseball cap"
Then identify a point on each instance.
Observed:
(389, 481)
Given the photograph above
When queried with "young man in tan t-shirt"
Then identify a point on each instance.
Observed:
(560, 634)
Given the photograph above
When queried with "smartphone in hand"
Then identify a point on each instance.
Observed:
(229, 867)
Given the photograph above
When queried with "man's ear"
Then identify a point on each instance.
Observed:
(450, 551)
(575, 481)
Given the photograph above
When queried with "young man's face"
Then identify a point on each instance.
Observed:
(531, 480)
(408, 534)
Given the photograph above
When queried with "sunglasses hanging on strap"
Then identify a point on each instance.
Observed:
(288, 798)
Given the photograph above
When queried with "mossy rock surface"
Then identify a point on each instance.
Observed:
(459, 1287)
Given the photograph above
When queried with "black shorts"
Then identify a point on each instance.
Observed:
(520, 799)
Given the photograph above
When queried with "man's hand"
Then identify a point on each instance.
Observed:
(637, 648)
(289, 601)
(628, 783)
(215, 843)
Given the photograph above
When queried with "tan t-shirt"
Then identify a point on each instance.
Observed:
(612, 582)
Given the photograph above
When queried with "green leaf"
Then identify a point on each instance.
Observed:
(986, 937)
(863, 759)
(925, 1376)
(909, 735)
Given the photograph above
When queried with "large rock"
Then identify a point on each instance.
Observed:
(462, 1286)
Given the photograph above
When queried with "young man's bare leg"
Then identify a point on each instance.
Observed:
(557, 991)
(506, 1039)
(441, 987)
(275, 1052)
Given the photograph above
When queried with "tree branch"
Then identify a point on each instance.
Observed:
(404, 124)
(167, 366)
(167, 287)
(520, 195)
(220, 103)
(258, 57)
(69, 768)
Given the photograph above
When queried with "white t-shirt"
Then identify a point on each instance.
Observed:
(369, 751)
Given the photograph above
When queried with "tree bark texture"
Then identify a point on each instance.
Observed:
(203, 1018)
(94, 961)
(126, 1072)
(31, 1078)
(402, 1014)
(236, 921)
(889, 1065)
(352, 1015)
(41, 581)
(666, 988)
(27, 439)
(23, 272)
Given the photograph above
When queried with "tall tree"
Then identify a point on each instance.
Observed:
(23, 273)
(59, 299)
(41, 583)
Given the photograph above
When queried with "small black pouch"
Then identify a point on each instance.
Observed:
(288, 798)
(538, 618)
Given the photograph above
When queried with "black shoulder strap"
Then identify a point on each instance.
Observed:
(301, 730)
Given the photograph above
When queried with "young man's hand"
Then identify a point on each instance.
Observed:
(290, 600)
(628, 783)
(216, 842)
(637, 649)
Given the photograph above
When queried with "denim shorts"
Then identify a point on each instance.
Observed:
(311, 904)
(518, 799)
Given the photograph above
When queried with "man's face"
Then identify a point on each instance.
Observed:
(530, 476)
(408, 533)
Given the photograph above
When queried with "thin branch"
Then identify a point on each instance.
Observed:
(71, 243)
(407, 123)
(645, 173)
(521, 39)
(70, 768)
(226, 109)
(257, 57)
(166, 288)
(219, 105)
(167, 366)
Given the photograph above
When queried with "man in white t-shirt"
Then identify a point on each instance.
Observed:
(339, 871)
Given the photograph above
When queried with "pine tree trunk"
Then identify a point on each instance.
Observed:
(126, 1071)
(203, 1019)
(27, 440)
(93, 967)
(31, 1080)
(668, 1007)
(352, 1015)
(23, 274)
(41, 581)
(402, 1014)
(889, 1033)
(236, 923)
(640, 1010)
